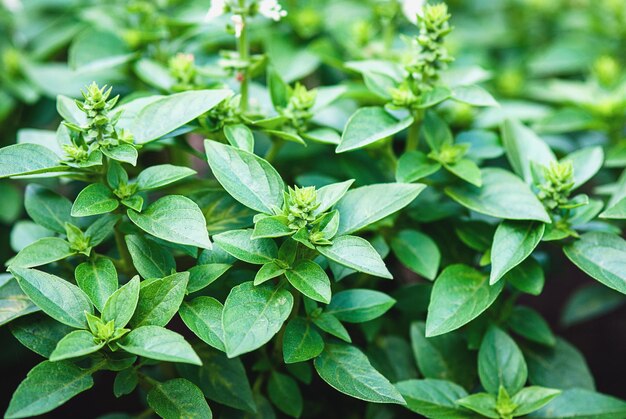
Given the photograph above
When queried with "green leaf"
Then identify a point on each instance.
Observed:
(330, 324)
(203, 275)
(483, 403)
(240, 136)
(42, 252)
(561, 366)
(125, 382)
(533, 398)
(473, 95)
(100, 229)
(125, 153)
(159, 300)
(414, 165)
(203, 316)
(310, 279)
(359, 305)
(218, 376)
(528, 323)
(272, 226)
(436, 131)
(178, 398)
(279, 90)
(444, 357)
(176, 219)
(513, 242)
(347, 369)
(582, 404)
(47, 208)
(75, 344)
(121, 305)
(527, 277)
(47, 386)
(247, 178)
(601, 256)
(283, 391)
(329, 195)
(616, 211)
(460, 294)
(252, 315)
(268, 271)
(503, 195)
(301, 341)
(522, 147)
(13, 302)
(59, 299)
(164, 115)
(467, 170)
(366, 205)
(433, 398)
(93, 200)
(98, 278)
(418, 252)
(25, 158)
(501, 363)
(369, 125)
(356, 253)
(590, 302)
(150, 259)
(162, 175)
(239, 243)
(155, 342)
(39, 333)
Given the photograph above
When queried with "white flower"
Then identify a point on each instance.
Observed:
(238, 24)
(216, 9)
(271, 9)
(413, 8)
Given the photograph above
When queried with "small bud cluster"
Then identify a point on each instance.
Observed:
(104, 332)
(78, 240)
(226, 113)
(449, 153)
(432, 56)
(298, 109)
(183, 68)
(300, 203)
(559, 181)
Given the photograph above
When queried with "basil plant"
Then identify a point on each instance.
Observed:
(260, 209)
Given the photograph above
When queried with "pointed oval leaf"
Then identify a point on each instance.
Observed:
(75, 344)
(121, 305)
(155, 177)
(159, 300)
(158, 343)
(93, 200)
(418, 252)
(359, 305)
(240, 244)
(179, 398)
(513, 242)
(25, 158)
(356, 253)
(301, 341)
(501, 363)
(310, 279)
(98, 278)
(203, 316)
(42, 252)
(369, 125)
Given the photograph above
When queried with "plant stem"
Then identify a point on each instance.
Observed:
(413, 136)
(273, 150)
(243, 47)
(122, 249)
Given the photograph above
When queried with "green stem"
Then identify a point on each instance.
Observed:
(243, 47)
(273, 150)
(413, 136)
(126, 260)
(389, 32)
(389, 157)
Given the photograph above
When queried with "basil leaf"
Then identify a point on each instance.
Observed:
(581, 403)
(155, 342)
(522, 147)
(433, 398)
(601, 256)
(47, 386)
(366, 205)
(178, 398)
(47, 208)
(356, 253)
(23, 159)
(473, 95)
(418, 252)
(247, 178)
(414, 165)
(301, 341)
(283, 391)
(359, 305)
(240, 244)
(310, 279)
(98, 278)
(75, 344)
(150, 259)
(176, 219)
(42, 252)
(159, 300)
(165, 114)
(501, 363)
(162, 175)
(329, 195)
(460, 294)
(121, 305)
(203, 316)
(533, 398)
(513, 242)
(347, 369)
(93, 200)
(56, 297)
(252, 315)
(503, 195)
(240, 136)
(369, 125)
(528, 323)
(13, 302)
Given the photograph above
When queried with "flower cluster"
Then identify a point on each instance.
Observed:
(300, 104)
(559, 181)
(183, 68)
(271, 9)
(300, 204)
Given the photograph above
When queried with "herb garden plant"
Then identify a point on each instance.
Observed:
(244, 208)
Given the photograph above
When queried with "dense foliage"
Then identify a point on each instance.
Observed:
(219, 194)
